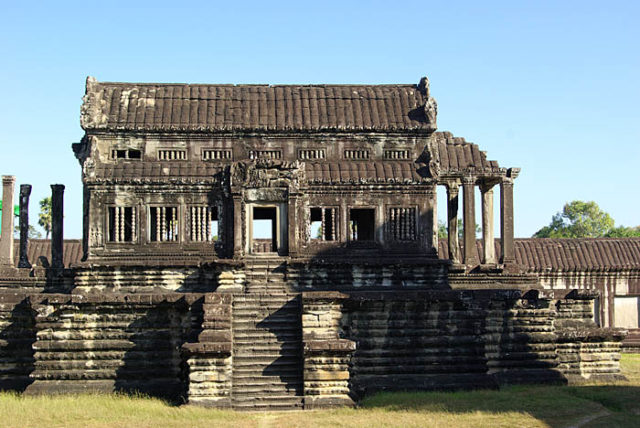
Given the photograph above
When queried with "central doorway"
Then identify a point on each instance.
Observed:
(264, 229)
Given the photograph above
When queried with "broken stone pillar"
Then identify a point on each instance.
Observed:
(25, 192)
(469, 223)
(506, 220)
(57, 215)
(488, 245)
(6, 238)
(452, 221)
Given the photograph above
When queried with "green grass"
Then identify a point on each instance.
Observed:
(521, 406)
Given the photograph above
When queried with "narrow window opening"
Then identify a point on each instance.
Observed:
(121, 224)
(135, 154)
(163, 224)
(203, 224)
(362, 224)
(126, 154)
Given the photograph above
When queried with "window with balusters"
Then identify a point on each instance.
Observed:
(163, 224)
(202, 223)
(322, 224)
(401, 224)
(265, 154)
(121, 224)
(171, 154)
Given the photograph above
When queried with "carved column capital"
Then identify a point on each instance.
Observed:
(453, 187)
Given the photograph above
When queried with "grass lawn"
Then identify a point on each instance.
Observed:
(521, 406)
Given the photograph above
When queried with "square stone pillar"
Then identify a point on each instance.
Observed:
(238, 226)
(57, 233)
(25, 192)
(506, 221)
(452, 221)
(292, 225)
(488, 245)
(469, 223)
(6, 239)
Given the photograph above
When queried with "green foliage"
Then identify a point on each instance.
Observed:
(33, 232)
(443, 233)
(578, 219)
(44, 218)
(624, 232)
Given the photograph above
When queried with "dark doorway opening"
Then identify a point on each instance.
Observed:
(362, 224)
(265, 230)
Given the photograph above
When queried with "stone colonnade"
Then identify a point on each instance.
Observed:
(6, 236)
(488, 256)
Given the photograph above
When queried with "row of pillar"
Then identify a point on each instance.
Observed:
(470, 257)
(6, 237)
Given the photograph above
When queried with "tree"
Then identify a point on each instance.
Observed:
(580, 219)
(44, 218)
(443, 232)
(33, 232)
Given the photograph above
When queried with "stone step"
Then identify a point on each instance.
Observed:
(265, 388)
(262, 312)
(268, 403)
(268, 341)
(275, 345)
(245, 354)
(267, 323)
(264, 297)
(247, 361)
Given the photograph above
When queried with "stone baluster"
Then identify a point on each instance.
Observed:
(57, 216)
(488, 245)
(452, 220)
(6, 238)
(25, 192)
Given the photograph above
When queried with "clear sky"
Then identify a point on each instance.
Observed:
(548, 86)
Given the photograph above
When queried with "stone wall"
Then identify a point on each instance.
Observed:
(17, 335)
(338, 275)
(449, 340)
(112, 342)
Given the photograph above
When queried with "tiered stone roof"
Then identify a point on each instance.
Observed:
(159, 107)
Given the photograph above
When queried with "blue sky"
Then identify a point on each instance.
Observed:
(548, 86)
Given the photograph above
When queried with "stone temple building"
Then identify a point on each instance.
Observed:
(256, 246)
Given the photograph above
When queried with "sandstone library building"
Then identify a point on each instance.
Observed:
(276, 247)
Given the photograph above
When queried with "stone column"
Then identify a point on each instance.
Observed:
(25, 192)
(292, 225)
(452, 221)
(506, 220)
(57, 216)
(469, 223)
(237, 225)
(6, 238)
(488, 245)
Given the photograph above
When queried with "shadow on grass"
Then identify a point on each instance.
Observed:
(557, 406)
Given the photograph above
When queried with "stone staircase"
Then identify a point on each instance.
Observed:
(267, 342)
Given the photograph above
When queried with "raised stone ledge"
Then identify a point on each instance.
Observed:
(329, 346)
(328, 296)
(590, 335)
(219, 348)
